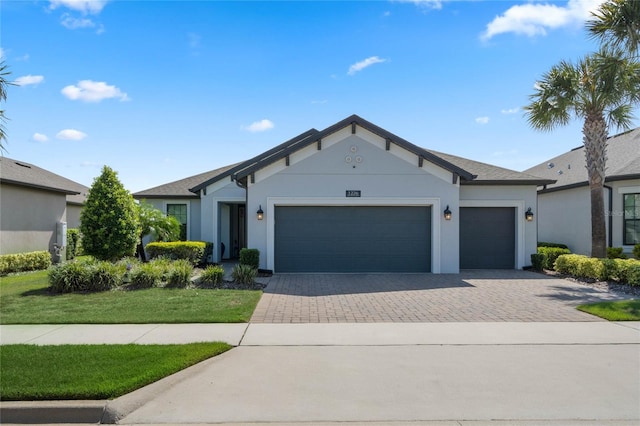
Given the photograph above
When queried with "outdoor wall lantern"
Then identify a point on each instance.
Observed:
(528, 215)
(260, 213)
(447, 213)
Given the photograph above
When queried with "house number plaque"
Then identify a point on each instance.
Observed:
(353, 193)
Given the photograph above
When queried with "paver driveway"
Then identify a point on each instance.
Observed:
(479, 295)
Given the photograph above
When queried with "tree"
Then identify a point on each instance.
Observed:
(616, 24)
(600, 89)
(4, 72)
(109, 221)
(156, 224)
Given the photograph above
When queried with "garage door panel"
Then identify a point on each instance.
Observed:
(487, 238)
(352, 239)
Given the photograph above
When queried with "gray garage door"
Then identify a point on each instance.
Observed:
(352, 239)
(487, 238)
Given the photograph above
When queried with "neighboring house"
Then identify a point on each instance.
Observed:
(357, 198)
(33, 204)
(564, 208)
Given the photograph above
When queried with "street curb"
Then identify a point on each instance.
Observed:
(42, 412)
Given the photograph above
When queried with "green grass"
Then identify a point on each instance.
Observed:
(25, 299)
(92, 371)
(625, 310)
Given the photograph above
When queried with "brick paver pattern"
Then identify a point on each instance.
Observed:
(477, 296)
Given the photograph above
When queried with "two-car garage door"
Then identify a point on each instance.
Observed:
(353, 238)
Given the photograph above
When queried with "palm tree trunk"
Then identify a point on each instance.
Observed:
(595, 142)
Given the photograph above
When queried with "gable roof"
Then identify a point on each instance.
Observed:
(569, 169)
(25, 174)
(281, 151)
(182, 188)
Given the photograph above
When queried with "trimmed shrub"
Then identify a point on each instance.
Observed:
(615, 253)
(636, 251)
(147, 275)
(244, 274)
(591, 268)
(179, 275)
(21, 262)
(85, 276)
(250, 257)
(109, 220)
(555, 245)
(193, 251)
(550, 254)
(212, 274)
(567, 264)
(633, 274)
(73, 235)
(537, 260)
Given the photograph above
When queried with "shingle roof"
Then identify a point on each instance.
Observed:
(623, 162)
(25, 174)
(181, 188)
(487, 174)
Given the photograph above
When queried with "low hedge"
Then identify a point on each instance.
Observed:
(580, 266)
(555, 245)
(550, 254)
(193, 251)
(21, 262)
(250, 257)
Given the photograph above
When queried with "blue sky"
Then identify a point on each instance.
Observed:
(162, 90)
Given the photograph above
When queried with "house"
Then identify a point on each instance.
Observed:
(35, 205)
(564, 208)
(356, 198)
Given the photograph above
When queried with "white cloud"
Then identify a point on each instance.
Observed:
(359, 66)
(27, 80)
(426, 4)
(93, 91)
(510, 110)
(85, 6)
(71, 135)
(74, 23)
(482, 120)
(260, 126)
(39, 137)
(532, 19)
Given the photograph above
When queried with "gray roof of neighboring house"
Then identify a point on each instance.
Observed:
(181, 188)
(569, 169)
(25, 174)
(470, 172)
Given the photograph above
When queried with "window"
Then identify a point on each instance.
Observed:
(631, 219)
(179, 211)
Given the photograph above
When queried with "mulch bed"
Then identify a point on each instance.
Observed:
(609, 286)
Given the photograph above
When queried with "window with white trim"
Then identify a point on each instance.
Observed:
(179, 211)
(631, 219)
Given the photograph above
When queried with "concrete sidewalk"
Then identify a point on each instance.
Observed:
(391, 373)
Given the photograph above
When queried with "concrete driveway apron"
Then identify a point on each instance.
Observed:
(471, 296)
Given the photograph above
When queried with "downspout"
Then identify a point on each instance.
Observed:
(610, 219)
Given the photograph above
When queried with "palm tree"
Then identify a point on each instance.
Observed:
(4, 72)
(616, 23)
(600, 89)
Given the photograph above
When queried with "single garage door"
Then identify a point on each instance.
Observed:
(487, 238)
(352, 239)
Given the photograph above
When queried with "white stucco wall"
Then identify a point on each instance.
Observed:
(28, 218)
(565, 217)
(383, 177)
(521, 198)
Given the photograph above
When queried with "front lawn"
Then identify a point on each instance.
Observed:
(624, 310)
(92, 371)
(25, 299)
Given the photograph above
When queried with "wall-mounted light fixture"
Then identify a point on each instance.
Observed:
(528, 215)
(447, 213)
(260, 213)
